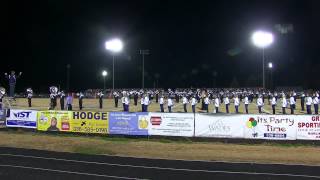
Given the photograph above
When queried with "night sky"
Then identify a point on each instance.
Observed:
(191, 43)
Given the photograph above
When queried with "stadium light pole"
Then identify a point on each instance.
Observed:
(104, 74)
(114, 46)
(143, 53)
(262, 39)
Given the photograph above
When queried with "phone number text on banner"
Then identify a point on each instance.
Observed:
(277, 127)
(171, 124)
(128, 123)
(22, 118)
(219, 126)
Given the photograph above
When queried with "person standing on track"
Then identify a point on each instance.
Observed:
(81, 96)
(12, 78)
(146, 103)
(29, 96)
(246, 103)
(302, 97)
(216, 103)
(193, 103)
(227, 102)
(62, 96)
(206, 103)
(100, 95)
(116, 99)
(69, 102)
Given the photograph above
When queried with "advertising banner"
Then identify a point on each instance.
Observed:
(22, 118)
(89, 122)
(128, 123)
(54, 121)
(308, 127)
(219, 126)
(274, 127)
(73, 121)
(171, 124)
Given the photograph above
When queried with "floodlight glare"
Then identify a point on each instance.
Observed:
(104, 73)
(114, 45)
(270, 65)
(262, 39)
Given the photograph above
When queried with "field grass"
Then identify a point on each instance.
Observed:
(270, 152)
(108, 105)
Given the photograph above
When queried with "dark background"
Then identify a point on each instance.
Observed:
(191, 43)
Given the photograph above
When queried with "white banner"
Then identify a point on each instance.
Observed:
(22, 118)
(171, 124)
(275, 127)
(308, 127)
(224, 126)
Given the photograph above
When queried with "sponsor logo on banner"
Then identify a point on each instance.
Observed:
(128, 123)
(22, 118)
(271, 127)
(308, 127)
(219, 126)
(171, 124)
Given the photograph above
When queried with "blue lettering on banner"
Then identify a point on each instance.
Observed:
(128, 123)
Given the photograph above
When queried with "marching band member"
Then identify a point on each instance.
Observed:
(161, 102)
(142, 102)
(157, 95)
(135, 98)
(206, 103)
(53, 97)
(126, 103)
(116, 99)
(146, 103)
(69, 102)
(227, 102)
(284, 103)
(308, 104)
(29, 96)
(292, 103)
(2, 93)
(246, 103)
(193, 104)
(100, 94)
(62, 96)
(184, 102)
(170, 104)
(12, 78)
(315, 103)
(81, 96)
(273, 104)
(260, 103)
(236, 103)
(123, 100)
(302, 101)
(217, 103)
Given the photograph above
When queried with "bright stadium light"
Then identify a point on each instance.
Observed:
(270, 65)
(104, 74)
(262, 39)
(115, 46)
